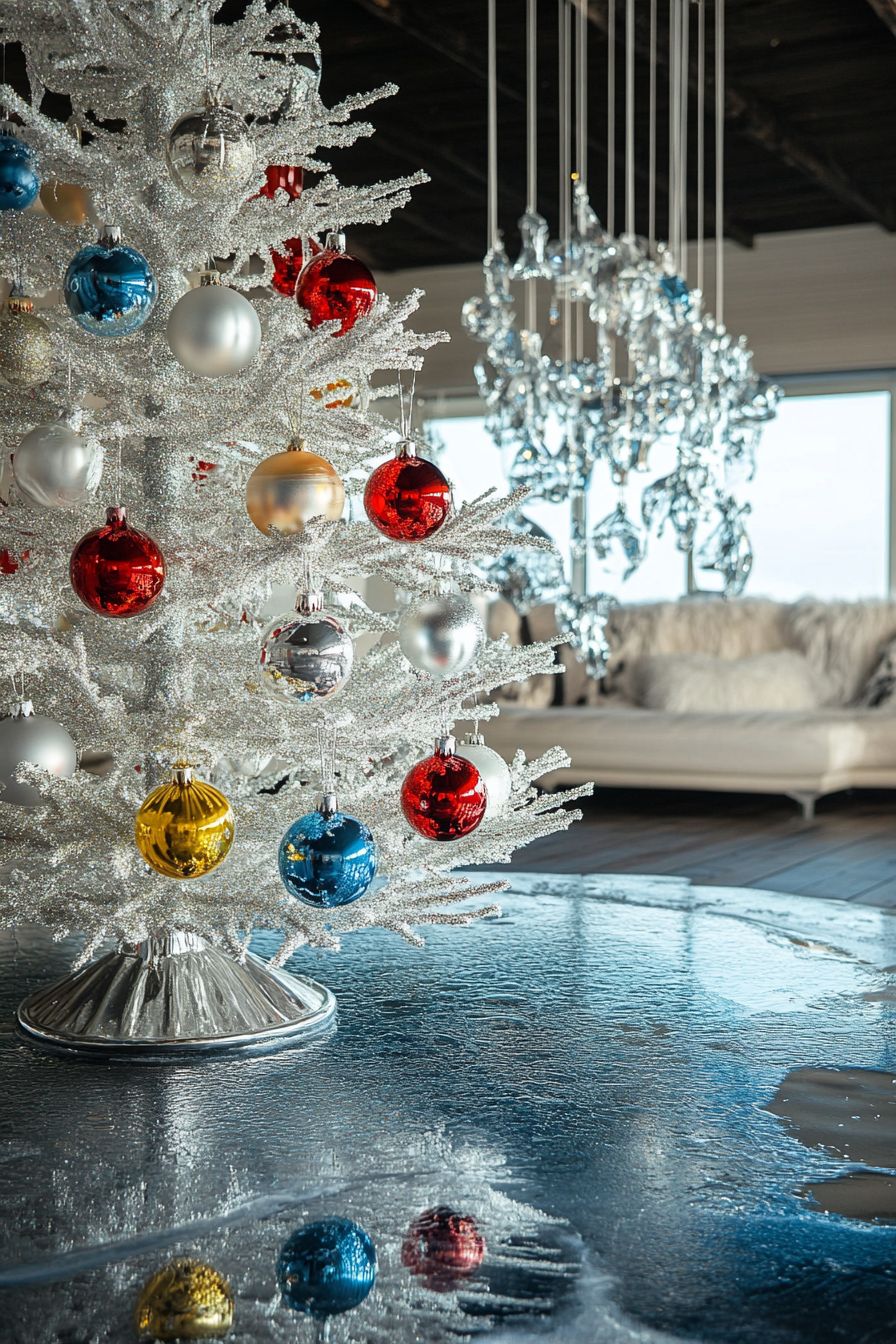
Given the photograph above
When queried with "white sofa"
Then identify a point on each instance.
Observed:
(614, 738)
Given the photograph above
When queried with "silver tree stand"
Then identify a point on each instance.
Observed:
(171, 995)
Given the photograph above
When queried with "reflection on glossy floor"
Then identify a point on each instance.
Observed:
(740, 840)
(643, 1094)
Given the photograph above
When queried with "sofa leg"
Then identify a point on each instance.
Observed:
(807, 802)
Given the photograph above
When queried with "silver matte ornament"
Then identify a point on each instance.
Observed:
(441, 634)
(55, 468)
(213, 331)
(26, 736)
(493, 769)
(210, 154)
(305, 656)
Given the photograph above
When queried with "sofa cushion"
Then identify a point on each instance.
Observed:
(842, 640)
(696, 682)
(879, 691)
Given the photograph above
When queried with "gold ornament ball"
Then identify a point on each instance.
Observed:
(287, 489)
(185, 828)
(66, 203)
(185, 1300)
(26, 346)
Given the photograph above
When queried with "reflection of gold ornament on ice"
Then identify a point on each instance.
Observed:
(288, 489)
(26, 346)
(185, 1300)
(65, 202)
(185, 828)
(334, 394)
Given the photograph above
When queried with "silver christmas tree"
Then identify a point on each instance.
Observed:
(181, 682)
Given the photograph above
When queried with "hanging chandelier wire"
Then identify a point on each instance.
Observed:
(665, 372)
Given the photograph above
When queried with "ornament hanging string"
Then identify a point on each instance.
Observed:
(701, 137)
(326, 750)
(720, 160)
(492, 127)
(651, 151)
(531, 143)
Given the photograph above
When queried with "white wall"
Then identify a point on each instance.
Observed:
(809, 302)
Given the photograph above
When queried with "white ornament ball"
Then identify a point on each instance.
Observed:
(55, 468)
(494, 770)
(26, 736)
(441, 634)
(213, 331)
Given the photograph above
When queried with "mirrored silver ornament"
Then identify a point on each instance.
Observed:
(39, 740)
(441, 634)
(55, 468)
(306, 655)
(210, 154)
(213, 331)
(493, 769)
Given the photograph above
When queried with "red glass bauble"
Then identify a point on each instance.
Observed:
(443, 1247)
(288, 266)
(334, 286)
(280, 177)
(407, 497)
(443, 797)
(117, 570)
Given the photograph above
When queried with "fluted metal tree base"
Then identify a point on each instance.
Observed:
(171, 995)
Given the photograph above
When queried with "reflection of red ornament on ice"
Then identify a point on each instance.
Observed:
(335, 287)
(443, 1248)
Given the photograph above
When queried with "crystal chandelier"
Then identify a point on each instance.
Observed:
(662, 370)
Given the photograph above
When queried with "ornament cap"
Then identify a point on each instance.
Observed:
(209, 278)
(182, 773)
(110, 234)
(335, 241)
(474, 740)
(405, 450)
(446, 745)
(8, 127)
(297, 445)
(329, 803)
(116, 515)
(308, 604)
(18, 303)
(23, 710)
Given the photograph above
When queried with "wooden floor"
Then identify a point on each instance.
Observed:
(739, 840)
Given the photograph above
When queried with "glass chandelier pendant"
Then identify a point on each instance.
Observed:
(184, 828)
(110, 288)
(327, 858)
(19, 182)
(335, 287)
(407, 498)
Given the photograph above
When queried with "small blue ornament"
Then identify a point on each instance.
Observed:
(326, 1268)
(327, 858)
(19, 182)
(110, 288)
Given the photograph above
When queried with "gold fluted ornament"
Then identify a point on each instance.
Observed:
(66, 202)
(26, 346)
(287, 489)
(185, 828)
(185, 1299)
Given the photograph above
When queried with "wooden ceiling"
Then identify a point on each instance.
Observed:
(810, 114)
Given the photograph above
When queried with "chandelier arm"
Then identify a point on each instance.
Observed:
(701, 139)
(492, 126)
(531, 144)
(630, 116)
(611, 118)
(683, 66)
(651, 153)
(720, 158)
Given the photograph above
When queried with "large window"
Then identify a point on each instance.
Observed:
(820, 519)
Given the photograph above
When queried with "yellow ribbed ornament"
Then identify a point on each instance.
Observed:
(185, 828)
(185, 1300)
(288, 489)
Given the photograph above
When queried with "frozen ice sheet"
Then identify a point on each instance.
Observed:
(642, 1091)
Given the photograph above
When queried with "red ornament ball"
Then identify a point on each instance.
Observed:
(335, 287)
(282, 177)
(117, 570)
(407, 497)
(287, 267)
(443, 797)
(443, 1247)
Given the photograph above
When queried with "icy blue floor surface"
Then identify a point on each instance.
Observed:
(587, 1076)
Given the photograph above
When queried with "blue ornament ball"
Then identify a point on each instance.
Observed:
(110, 288)
(327, 1267)
(19, 182)
(327, 859)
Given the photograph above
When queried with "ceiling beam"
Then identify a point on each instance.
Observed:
(886, 12)
(455, 46)
(758, 121)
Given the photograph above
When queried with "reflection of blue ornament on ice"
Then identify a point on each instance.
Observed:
(326, 1268)
(110, 288)
(19, 182)
(327, 858)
